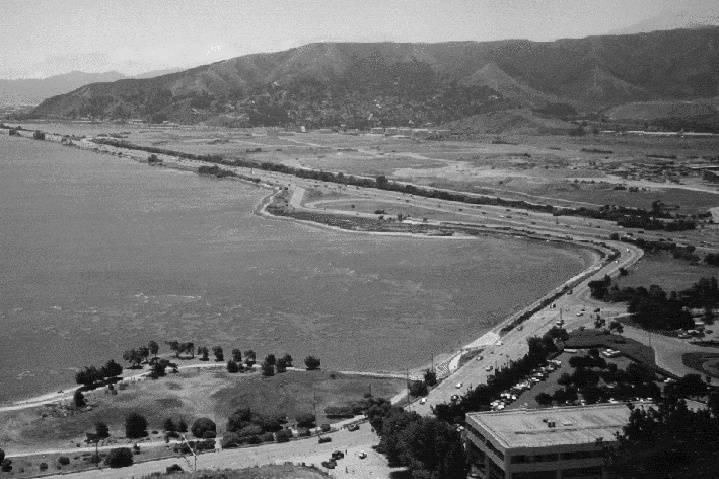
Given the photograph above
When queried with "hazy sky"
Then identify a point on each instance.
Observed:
(44, 37)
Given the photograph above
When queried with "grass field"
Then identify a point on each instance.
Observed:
(189, 394)
(707, 362)
(284, 471)
(663, 270)
(591, 338)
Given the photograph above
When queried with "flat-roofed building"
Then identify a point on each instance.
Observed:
(552, 443)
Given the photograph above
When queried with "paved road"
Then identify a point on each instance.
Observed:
(306, 450)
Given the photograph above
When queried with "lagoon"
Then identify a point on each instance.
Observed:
(100, 254)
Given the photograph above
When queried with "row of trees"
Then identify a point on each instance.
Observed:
(89, 375)
(479, 398)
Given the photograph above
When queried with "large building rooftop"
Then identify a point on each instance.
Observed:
(572, 425)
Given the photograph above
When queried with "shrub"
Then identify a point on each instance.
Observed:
(268, 369)
(2, 455)
(267, 437)
(63, 461)
(43, 466)
(325, 427)
(38, 135)
(209, 435)
(202, 425)
(254, 440)
(543, 399)
(168, 425)
(135, 426)
(283, 436)
(78, 399)
(303, 432)
(119, 457)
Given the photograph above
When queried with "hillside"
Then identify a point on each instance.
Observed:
(361, 84)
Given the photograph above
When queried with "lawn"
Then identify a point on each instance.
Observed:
(590, 338)
(707, 362)
(665, 271)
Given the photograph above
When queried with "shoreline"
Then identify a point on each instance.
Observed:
(597, 261)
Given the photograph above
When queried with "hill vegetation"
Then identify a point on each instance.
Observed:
(362, 85)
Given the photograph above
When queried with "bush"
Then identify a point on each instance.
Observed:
(325, 427)
(232, 366)
(268, 369)
(2, 455)
(135, 426)
(168, 425)
(231, 439)
(305, 420)
(267, 437)
(312, 362)
(209, 435)
(43, 466)
(38, 135)
(202, 425)
(283, 436)
(63, 461)
(119, 457)
(543, 399)
(181, 425)
(78, 399)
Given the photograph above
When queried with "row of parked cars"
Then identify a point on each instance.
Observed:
(338, 455)
(538, 374)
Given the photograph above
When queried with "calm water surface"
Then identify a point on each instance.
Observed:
(99, 254)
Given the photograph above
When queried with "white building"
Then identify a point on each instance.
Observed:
(552, 443)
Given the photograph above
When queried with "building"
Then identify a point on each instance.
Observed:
(553, 443)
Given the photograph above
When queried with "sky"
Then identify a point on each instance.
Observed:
(40, 38)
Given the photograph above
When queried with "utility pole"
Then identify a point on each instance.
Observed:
(194, 467)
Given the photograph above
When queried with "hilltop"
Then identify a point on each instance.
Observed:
(366, 84)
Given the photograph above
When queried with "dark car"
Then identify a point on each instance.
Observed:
(322, 439)
(353, 427)
(338, 455)
(329, 464)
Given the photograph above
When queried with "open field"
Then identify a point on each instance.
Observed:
(596, 339)
(188, 394)
(664, 271)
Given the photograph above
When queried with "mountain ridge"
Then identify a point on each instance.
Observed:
(363, 84)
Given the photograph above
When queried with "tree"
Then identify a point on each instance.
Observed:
(154, 348)
(87, 376)
(670, 441)
(168, 425)
(281, 365)
(181, 425)
(250, 358)
(111, 369)
(616, 326)
(543, 399)
(237, 355)
(232, 367)
(267, 369)
(417, 388)
(101, 430)
(203, 425)
(135, 425)
(2, 455)
(119, 457)
(219, 354)
(204, 353)
(78, 399)
(430, 377)
(305, 420)
(133, 356)
(270, 359)
(174, 346)
(312, 363)
(38, 135)
(288, 359)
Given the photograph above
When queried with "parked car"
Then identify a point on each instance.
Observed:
(322, 439)
(423, 401)
(338, 455)
(459, 385)
(362, 455)
(353, 427)
(329, 464)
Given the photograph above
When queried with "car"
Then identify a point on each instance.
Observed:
(329, 464)
(459, 385)
(454, 397)
(423, 401)
(580, 314)
(362, 455)
(322, 439)
(338, 455)
(353, 427)
(488, 368)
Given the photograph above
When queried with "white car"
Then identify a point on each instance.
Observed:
(488, 368)
(423, 401)
(459, 385)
